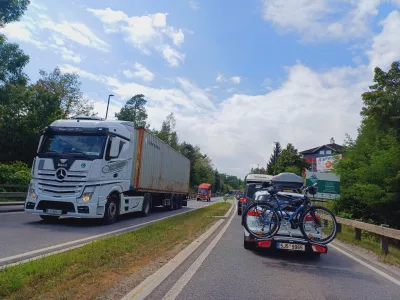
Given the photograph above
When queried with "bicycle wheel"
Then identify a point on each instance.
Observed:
(318, 224)
(261, 220)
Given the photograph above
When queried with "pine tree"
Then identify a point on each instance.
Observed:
(273, 161)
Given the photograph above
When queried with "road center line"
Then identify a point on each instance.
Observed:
(185, 278)
(383, 274)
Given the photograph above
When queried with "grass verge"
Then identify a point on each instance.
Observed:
(89, 271)
(370, 242)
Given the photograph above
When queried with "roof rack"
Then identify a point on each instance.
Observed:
(87, 118)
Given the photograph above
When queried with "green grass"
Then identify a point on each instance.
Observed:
(370, 242)
(88, 271)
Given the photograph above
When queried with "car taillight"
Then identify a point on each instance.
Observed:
(264, 244)
(318, 248)
(309, 218)
(253, 213)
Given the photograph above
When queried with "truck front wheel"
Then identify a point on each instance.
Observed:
(146, 205)
(111, 210)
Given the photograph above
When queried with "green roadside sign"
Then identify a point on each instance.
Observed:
(328, 184)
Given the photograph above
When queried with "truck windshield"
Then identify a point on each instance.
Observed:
(87, 145)
(202, 191)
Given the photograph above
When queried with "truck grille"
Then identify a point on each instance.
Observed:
(72, 185)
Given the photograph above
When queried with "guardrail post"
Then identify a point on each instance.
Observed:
(339, 228)
(384, 242)
(357, 234)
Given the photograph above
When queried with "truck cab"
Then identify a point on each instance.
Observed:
(204, 192)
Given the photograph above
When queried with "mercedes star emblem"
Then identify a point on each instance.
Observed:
(61, 174)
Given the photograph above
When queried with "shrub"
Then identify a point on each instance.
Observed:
(15, 173)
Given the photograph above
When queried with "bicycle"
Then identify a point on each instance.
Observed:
(264, 214)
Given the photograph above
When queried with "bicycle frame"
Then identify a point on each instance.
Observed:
(278, 208)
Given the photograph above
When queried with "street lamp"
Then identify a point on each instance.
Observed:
(108, 103)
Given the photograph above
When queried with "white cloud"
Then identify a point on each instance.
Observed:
(308, 109)
(69, 55)
(323, 19)
(220, 78)
(22, 31)
(37, 5)
(386, 45)
(108, 15)
(172, 56)
(193, 5)
(77, 32)
(177, 36)
(146, 33)
(141, 72)
(235, 79)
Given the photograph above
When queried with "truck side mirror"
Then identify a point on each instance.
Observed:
(114, 151)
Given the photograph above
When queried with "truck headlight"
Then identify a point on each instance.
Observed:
(87, 194)
(32, 192)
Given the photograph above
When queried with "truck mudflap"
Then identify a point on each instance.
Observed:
(291, 244)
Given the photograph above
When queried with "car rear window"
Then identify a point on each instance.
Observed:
(251, 189)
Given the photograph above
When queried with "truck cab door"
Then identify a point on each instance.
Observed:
(115, 164)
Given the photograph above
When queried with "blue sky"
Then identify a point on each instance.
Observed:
(238, 75)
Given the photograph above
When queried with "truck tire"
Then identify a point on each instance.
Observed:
(146, 205)
(49, 219)
(180, 202)
(174, 202)
(111, 210)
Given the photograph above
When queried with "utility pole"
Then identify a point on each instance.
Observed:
(108, 103)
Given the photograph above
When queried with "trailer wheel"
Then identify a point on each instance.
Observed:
(146, 205)
(49, 219)
(180, 202)
(111, 210)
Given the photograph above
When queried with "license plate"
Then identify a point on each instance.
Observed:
(54, 211)
(287, 246)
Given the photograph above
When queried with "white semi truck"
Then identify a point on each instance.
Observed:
(93, 168)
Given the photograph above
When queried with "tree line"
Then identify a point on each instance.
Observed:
(27, 107)
(283, 160)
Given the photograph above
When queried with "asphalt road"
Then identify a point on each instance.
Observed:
(21, 232)
(231, 272)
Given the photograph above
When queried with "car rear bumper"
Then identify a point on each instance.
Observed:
(271, 243)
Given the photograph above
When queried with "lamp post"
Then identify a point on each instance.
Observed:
(108, 103)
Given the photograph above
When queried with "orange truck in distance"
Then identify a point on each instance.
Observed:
(204, 192)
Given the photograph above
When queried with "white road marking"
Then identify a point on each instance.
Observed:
(84, 240)
(181, 283)
(383, 274)
(146, 287)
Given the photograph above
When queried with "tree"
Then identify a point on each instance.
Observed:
(134, 111)
(12, 10)
(289, 159)
(12, 62)
(167, 132)
(382, 102)
(217, 181)
(273, 161)
(63, 90)
(26, 110)
(370, 174)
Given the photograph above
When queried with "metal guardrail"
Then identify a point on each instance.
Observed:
(13, 194)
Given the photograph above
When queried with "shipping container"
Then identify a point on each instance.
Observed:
(159, 167)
